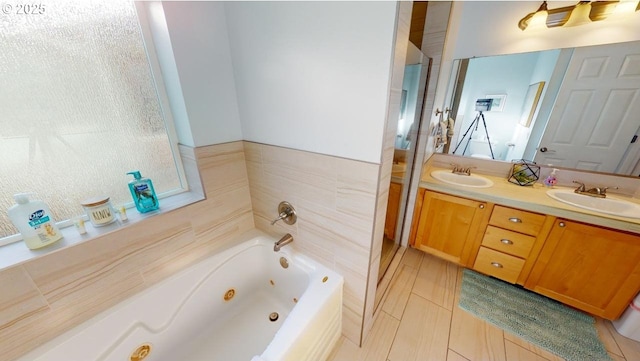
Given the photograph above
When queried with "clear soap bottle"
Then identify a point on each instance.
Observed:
(144, 196)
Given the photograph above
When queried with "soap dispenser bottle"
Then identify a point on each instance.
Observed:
(34, 221)
(551, 179)
(144, 196)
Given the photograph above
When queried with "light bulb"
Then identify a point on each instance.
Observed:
(625, 7)
(579, 15)
(538, 21)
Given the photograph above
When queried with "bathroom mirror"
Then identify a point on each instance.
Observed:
(413, 89)
(554, 107)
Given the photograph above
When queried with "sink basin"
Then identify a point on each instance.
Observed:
(609, 205)
(473, 180)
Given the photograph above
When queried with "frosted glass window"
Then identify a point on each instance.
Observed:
(78, 107)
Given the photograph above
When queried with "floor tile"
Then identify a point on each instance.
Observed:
(509, 337)
(453, 356)
(376, 346)
(399, 291)
(423, 332)
(630, 348)
(436, 281)
(412, 257)
(517, 353)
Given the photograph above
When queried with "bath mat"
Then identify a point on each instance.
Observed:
(544, 322)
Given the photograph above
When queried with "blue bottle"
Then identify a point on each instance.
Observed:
(144, 196)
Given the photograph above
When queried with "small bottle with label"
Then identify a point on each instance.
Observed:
(144, 196)
(33, 220)
(552, 179)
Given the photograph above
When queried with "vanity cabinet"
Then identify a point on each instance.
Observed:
(448, 226)
(511, 243)
(591, 268)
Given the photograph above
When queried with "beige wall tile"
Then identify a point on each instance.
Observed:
(334, 201)
(19, 298)
(308, 176)
(337, 226)
(356, 188)
(188, 156)
(352, 324)
(222, 167)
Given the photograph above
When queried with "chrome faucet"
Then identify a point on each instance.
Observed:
(461, 170)
(599, 192)
(285, 240)
(286, 213)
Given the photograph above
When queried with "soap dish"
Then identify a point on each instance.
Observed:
(524, 173)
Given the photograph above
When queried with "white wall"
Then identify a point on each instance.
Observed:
(200, 44)
(313, 76)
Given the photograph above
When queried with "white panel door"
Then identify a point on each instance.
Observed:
(597, 110)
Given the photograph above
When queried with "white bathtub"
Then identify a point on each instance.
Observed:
(186, 317)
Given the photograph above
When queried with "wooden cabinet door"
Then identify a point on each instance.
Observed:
(393, 205)
(591, 268)
(449, 226)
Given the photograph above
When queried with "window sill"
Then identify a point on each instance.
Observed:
(16, 253)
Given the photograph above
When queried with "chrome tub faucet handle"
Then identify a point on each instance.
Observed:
(286, 213)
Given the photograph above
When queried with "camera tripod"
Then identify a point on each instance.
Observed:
(473, 127)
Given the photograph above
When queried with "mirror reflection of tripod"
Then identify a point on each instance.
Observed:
(474, 127)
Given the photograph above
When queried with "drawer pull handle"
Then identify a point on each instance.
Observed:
(496, 264)
(481, 206)
(506, 241)
(515, 220)
(561, 224)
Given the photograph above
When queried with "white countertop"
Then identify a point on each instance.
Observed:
(530, 198)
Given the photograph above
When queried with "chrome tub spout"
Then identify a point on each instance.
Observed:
(285, 240)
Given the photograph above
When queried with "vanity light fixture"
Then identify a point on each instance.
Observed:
(583, 12)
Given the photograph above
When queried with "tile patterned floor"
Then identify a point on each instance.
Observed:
(419, 320)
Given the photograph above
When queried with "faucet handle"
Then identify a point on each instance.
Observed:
(603, 190)
(581, 188)
(467, 170)
(286, 213)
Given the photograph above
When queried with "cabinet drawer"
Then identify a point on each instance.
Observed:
(498, 264)
(513, 243)
(517, 220)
